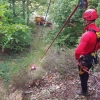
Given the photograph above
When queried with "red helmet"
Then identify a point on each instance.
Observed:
(90, 14)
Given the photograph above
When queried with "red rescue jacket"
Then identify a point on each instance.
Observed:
(88, 42)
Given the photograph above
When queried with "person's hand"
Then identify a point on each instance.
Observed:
(82, 61)
(81, 58)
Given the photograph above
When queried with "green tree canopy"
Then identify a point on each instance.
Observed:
(60, 12)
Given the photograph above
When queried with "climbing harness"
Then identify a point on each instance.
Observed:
(93, 54)
(97, 34)
(82, 65)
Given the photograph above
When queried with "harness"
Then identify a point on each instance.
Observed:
(97, 34)
(92, 56)
(90, 59)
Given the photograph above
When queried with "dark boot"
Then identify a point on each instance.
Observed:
(80, 92)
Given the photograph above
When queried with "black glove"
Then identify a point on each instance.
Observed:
(81, 58)
(82, 61)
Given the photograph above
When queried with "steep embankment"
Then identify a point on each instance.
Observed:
(56, 78)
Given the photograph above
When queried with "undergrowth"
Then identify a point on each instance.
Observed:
(17, 66)
(61, 61)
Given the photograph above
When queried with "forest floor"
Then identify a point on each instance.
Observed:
(59, 79)
(58, 86)
(54, 88)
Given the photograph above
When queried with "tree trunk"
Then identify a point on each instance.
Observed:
(10, 3)
(27, 12)
(23, 3)
(13, 7)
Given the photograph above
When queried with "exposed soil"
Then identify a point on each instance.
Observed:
(59, 82)
(52, 87)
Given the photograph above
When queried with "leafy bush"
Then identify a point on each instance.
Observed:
(12, 36)
(98, 9)
(69, 35)
(4, 72)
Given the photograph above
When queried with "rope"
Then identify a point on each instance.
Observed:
(45, 21)
(47, 10)
(60, 30)
(96, 78)
(82, 4)
(43, 26)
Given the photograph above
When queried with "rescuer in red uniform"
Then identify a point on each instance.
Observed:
(88, 44)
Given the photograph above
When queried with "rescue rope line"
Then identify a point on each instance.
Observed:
(96, 78)
(60, 30)
(47, 10)
(81, 4)
(45, 21)
(41, 31)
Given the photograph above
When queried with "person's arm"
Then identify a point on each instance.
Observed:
(80, 50)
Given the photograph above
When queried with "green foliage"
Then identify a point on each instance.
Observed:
(4, 72)
(96, 5)
(70, 34)
(62, 10)
(93, 3)
(98, 9)
(12, 36)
